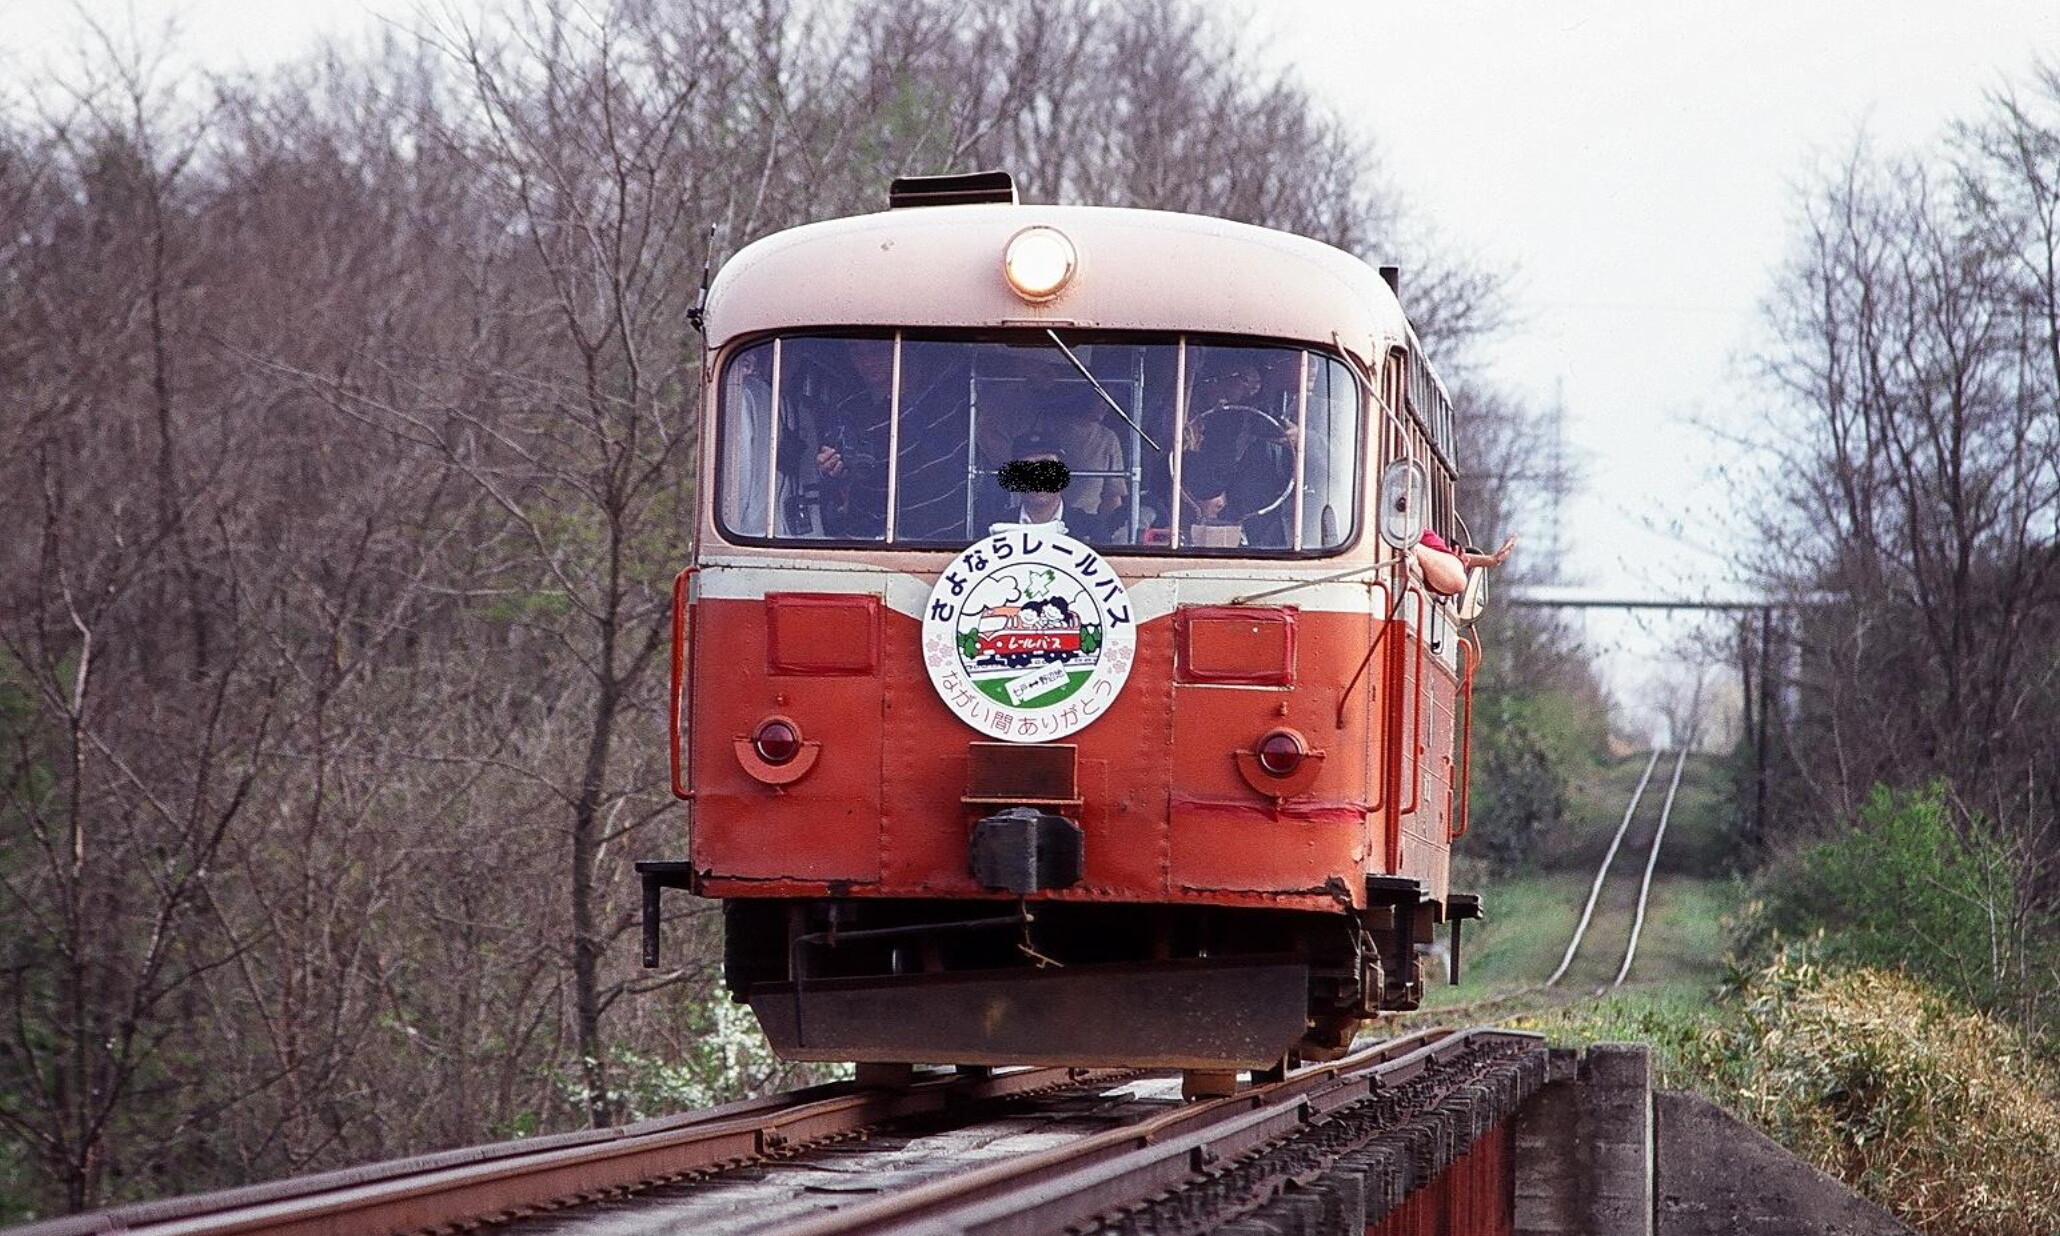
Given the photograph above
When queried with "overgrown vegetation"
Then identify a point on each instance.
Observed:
(1541, 723)
(1532, 741)
(1896, 1019)
(1892, 1014)
(1942, 1114)
(1907, 702)
(1882, 1016)
(1886, 1017)
(1907, 887)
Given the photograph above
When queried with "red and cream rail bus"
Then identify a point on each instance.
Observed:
(1051, 681)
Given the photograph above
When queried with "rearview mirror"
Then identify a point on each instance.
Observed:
(1403, 489)
(1475, 598)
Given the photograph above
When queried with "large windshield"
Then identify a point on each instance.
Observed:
(1136, 443)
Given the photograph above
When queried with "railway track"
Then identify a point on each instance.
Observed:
(507, 1180)
(1615, 910)
(1023, 1151)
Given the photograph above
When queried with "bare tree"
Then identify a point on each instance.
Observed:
(1917, 462)
(135, 717)
(585, 128)
(1921, 477)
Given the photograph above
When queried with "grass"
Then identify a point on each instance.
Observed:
(1531, 915)
(1531, 918)
(1944, 1116)
(1672, 1019)
(1683, 940)
(1947, 1118)
(1701, 837)
(1528, 923)
(1594, 807)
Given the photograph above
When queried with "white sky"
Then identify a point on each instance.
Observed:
(1634, 161)
(1637, 163)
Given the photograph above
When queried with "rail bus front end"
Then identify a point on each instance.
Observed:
(1151, 766)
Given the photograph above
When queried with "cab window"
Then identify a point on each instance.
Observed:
(1139, 444)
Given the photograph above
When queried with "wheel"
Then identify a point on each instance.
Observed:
(874, 1076)
(1275, 1072)
(1329, 1037)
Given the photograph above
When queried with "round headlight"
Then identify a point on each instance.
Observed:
(1039, 262)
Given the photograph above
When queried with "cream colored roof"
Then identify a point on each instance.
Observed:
(1139, 270)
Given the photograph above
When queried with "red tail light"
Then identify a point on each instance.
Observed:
(1281, 753)
(777, 740)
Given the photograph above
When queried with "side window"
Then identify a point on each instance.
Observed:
(749, 480)
(1330, 506)
(1395, 439)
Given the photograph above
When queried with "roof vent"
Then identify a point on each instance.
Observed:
(964, 189)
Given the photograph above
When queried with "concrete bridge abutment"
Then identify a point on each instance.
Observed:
(1600, 1153)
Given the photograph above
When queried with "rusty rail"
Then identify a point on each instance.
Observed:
(1609, 856)
(488, 1182)
(1363, 1133)
(1595, 891)
(1194, 1147)
(1666, 812)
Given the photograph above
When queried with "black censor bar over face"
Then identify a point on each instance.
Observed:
(1035, 476)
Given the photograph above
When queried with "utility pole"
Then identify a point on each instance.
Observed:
(1556, 482)
(1758, 713)
(1759, 752)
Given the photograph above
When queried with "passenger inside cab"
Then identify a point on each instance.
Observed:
(1038, 393)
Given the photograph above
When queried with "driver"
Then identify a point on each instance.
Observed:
(1239, 461)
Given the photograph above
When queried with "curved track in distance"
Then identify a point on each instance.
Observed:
(1615, 910)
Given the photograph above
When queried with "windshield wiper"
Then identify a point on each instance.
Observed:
(1099, 389)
